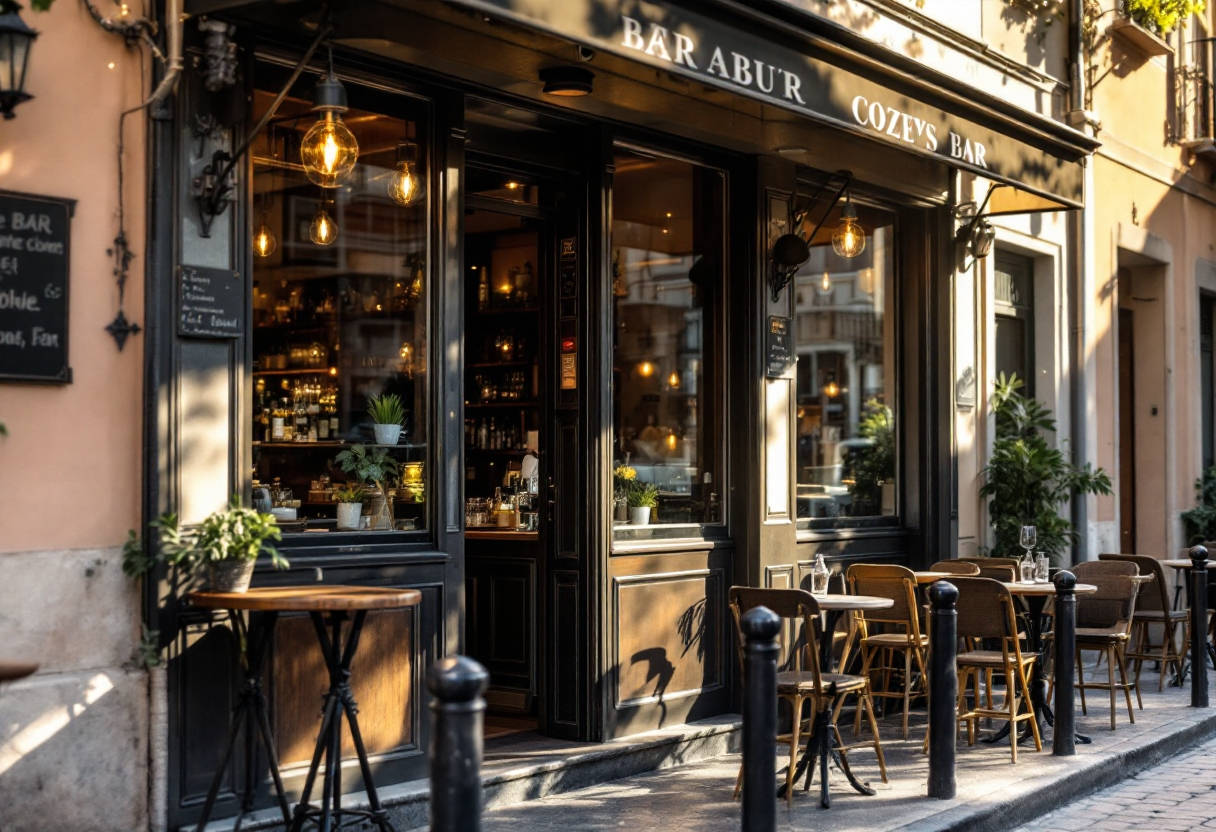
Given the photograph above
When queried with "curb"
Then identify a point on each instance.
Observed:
(1028, 800)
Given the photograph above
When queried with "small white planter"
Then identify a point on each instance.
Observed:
(387, 434)
(639, 516)
(349, 514)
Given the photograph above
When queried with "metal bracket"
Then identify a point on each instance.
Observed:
(781, 276)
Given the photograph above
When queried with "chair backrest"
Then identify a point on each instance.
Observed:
(887, 581)
(982, 562)
(1112, 606)
(793, 606)
(955, 567)
(1004, 574)
(1155, 594)
(985, 609)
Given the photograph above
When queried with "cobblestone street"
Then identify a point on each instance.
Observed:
(1177, 795)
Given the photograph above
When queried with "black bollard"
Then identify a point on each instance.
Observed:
(943, 688)
(1199, 627)
(457, 684)
(1064, 738)
(760, 626)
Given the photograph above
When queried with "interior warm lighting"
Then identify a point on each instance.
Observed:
(323, 230)
(405, 186)
(825, 283)
(646, 369)
(567, 81)
(671, 441)
(329, 150)
(865, 281)
(673, 380)
(831, 390)
(264, 242)
(512, 186)
(333, 371)
(668, 215)
(849, 239)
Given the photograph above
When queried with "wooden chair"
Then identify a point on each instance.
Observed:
(986, 612)
(982, 562)
(1104, 623)
(955, 567)
(1000, 572)
(1154, 608)
(799, 679)
(883, 633)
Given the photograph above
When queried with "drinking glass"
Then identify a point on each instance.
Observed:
(1029, 538)
(1041, 568)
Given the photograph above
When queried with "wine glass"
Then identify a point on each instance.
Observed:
(1029, 537)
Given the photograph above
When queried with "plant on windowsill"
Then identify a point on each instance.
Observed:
(871, 469)
(226, 545)
(622, 479)
(1027, 479)
(1200, 522)
(377, 467)
(389, 414)
(350, 506)
(1162, 16)
(642, 498)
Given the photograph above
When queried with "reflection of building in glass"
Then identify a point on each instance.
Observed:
(844, 330)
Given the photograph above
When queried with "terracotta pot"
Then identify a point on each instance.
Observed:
(230, 575)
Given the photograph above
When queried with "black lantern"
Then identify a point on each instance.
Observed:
(15, 40)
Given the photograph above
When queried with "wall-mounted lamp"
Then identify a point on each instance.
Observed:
(329, 150)
(567, 81)
(15, 40)
(791, 251)
(977, 235)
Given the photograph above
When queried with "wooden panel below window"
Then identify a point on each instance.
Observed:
(381, 677)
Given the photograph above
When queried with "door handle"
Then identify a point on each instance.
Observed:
(552, 501)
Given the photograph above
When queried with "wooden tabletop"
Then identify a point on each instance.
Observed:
(1048, 588)
(1185, 563)
(932, 577)
(853, 602)
(308, 599)
(15, 670)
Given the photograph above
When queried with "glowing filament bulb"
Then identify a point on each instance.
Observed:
(671, 441)
(826, 283)
(673, 380)
(329, 151)
(831, 390)
(645, 369)
(323, 230)
(849, 240)
(264, 242)
(405, 186)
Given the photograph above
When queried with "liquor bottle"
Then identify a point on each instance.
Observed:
(333, 419)
(278, 427)
(483, 290)
(495, 438)
(263, 427)
(301, 420)
(483, 436)
(323, 426)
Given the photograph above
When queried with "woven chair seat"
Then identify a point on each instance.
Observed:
(895, 640)
(1160, 615)
(802, 681)
(988, 658)
(1103, 635)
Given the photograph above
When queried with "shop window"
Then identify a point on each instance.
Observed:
(1014, 318)
(847, 471)
(340, 318)
(667, 255)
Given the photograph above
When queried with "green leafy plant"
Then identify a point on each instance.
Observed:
(235, 533)
(349, 494)
(375, 466)
(386, 409)
(1162, 16)
(13, 7)
(1027, 479)
(1200, 522)
(642, 494)
(147, 652)
(872, 466)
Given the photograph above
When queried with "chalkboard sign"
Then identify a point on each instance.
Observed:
(779, 348)
(211, 302)
(34, 236)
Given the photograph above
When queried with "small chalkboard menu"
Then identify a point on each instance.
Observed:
(34, 236)
(211, 302)
(779, 348)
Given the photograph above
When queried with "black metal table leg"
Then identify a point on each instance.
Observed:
(250, 713)
(339, 702)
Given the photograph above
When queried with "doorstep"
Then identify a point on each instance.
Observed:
(519, 768)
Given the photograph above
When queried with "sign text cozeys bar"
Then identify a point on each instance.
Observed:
(693, 44)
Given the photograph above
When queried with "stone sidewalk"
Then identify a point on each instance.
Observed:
(993, 794)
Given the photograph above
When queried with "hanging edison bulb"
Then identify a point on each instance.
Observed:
(646, 369)
(329, 150)
(406, 186)
(323, 230)
(849, 239)
(825, 283)
(264, 242)
(673, 380)
(831, 390)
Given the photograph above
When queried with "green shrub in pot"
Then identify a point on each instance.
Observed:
(388, 413)
(375, 466)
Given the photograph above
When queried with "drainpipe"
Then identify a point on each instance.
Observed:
(1081, 252)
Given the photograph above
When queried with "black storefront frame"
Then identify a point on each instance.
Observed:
(441, 553)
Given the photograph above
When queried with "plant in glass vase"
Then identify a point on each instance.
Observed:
(375, 466)
(388, 413)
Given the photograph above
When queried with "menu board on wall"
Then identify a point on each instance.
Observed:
(34, 236)
(779, 349)
(211, 302)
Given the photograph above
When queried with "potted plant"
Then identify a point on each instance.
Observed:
(389, 414)
(350, 506)
(622, 480)
(871, 468)
(375, 466)
(1200, 521)
(642, 497)
(1027, 479)
(226, 544)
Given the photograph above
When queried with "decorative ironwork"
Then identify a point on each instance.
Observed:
(122, 329)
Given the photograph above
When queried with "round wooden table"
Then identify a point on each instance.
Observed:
(330, 607)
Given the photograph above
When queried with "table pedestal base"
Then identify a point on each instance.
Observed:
(339, 703)
(822, 749)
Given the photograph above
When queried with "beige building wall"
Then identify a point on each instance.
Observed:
(73, 751)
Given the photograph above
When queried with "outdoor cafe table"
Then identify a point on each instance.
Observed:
(330, 607)
(823, 740)
(1185, 566)
(1035, 596)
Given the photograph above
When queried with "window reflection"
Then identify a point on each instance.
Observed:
(844, 330)
(666, 273)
